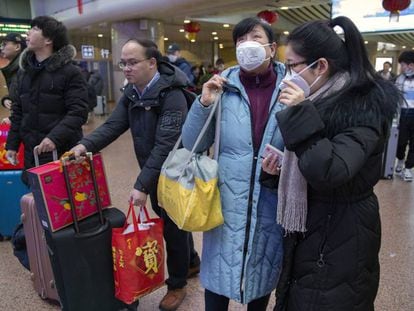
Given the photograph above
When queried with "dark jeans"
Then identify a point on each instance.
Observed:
(216, 302)
(180, 249)
(406, 137)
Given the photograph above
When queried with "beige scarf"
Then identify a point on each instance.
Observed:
(292, 206)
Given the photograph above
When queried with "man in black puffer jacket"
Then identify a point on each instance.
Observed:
(154, 108)
(50, 96)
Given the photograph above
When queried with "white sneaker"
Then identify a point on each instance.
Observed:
(399, 167)
(407, 174)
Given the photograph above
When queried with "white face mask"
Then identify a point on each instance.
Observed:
(251, 54)
(172, 58)
(409, 72)
(299, 81)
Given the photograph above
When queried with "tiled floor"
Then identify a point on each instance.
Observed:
(396, 197)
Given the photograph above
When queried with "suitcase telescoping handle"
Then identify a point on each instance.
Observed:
(36, 155)
(89, 159)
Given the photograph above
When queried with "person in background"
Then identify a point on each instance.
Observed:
(155, 125)
(405, 82)
(11, 48)
(95, 80)
(337, 121)
(219, 66)
(386, 72)
(207, 75)
(197, 76)
(175, 58)
(51, 104)
(241, 259)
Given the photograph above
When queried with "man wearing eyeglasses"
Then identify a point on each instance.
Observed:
(12, 46)
(154, 107)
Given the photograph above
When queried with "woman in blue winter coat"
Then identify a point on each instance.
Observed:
(241, 259)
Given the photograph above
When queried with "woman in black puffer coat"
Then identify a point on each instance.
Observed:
(337, 120)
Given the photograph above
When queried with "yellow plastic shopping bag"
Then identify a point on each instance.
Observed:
(188, 185)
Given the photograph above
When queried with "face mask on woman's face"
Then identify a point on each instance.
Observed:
(251, 54)
(299, 81)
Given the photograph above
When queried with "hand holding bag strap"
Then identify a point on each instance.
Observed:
(216, 104)
(134, 216)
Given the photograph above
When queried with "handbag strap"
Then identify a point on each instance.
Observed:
(216, 107)
(135, 219)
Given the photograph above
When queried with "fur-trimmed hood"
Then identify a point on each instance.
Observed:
(57, 60)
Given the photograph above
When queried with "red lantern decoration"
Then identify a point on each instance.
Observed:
(395, 6)
(80, 6)
(268, 16)
(191, 29)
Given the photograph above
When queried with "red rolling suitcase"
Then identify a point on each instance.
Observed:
(40, 266)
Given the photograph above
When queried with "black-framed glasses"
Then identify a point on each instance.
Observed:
(293, 65)
(130, 63)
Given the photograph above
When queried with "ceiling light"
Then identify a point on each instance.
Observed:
(221, 45)
(187, 21)
(216, 38)
(226, 25)
(181, 30)
(100, 35)
(286, 32)
(165, 39)
(214, 33)
(404, 47)
(366, 42)
(284, 8)
(193, 40)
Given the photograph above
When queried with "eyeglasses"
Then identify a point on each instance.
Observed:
(130, 63)
(293, 65)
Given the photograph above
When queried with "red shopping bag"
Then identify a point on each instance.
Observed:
(138, 256)
(4, 163)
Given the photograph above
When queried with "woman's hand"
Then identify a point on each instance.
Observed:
(292, 94)
(211, 89)
(270, 165)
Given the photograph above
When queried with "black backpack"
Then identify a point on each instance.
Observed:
(189, 95)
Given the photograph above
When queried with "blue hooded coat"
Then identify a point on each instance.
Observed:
(242, 258)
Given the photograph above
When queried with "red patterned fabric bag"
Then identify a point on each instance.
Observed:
(138, 256)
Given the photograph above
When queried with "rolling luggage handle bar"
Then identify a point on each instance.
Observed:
(36, 155)
(89, 158)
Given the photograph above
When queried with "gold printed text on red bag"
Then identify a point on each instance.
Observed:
(149, 254)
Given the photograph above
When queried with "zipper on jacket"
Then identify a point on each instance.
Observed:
(248, 224)
(250, 202)
(321, 262)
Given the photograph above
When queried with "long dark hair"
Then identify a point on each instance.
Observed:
(346, 53)
(318, 39)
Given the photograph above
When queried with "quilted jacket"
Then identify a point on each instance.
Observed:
(241, 259)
